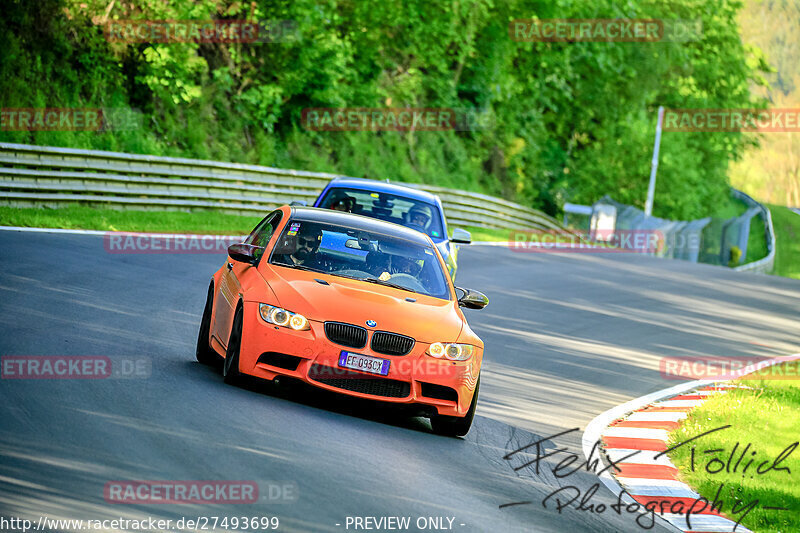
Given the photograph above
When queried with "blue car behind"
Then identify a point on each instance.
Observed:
(407, 206)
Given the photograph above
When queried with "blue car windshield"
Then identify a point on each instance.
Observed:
(373, 257)
(414, 214)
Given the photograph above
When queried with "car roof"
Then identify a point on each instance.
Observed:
(359, 222)
(385, 187)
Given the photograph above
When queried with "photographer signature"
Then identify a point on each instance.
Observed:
(570, 463)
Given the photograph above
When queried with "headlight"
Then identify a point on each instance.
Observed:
(282, 317)
(451, 350)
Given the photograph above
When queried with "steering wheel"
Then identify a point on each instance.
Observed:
(353, 273)
(413, 283)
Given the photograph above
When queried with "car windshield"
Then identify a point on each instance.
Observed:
(414, 214)
(368, 256)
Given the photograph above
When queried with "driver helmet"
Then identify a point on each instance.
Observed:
(403, 265)
(419, 215)
(341, 201)
(308, 238)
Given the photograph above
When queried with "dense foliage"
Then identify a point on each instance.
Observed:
(772, 172)
(569, 121)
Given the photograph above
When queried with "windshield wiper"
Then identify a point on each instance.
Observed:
(300, 267)
(387, 284)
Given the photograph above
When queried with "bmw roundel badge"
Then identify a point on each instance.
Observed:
(371, 323)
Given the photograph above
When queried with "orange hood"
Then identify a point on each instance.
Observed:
(345, 300)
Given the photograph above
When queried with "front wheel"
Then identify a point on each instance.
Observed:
(204, 353)
(230, 371)
(456, 426)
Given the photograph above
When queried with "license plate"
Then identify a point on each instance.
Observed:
(364, 363)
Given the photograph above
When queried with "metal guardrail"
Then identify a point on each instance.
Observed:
(683, 238)
(766, 264)
(52, 176)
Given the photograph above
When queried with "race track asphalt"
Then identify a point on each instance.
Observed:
(568, 336)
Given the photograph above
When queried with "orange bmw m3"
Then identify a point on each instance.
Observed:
(347, 303)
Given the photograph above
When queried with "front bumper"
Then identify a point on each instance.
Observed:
(269, 351)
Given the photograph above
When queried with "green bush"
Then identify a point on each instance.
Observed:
(571, 121)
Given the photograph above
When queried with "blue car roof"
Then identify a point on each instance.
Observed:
(358, 222)
(383, 186)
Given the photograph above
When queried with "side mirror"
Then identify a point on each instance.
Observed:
(301, 203)
(472, 299)
(244, 253)
(461, 236)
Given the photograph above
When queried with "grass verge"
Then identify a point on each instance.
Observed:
(767, 417)
(787, 236)
(487, 234)
(199, 222)
(81, 217)
(756, 240)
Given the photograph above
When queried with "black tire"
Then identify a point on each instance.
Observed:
(230, 370)
(204, 353)
(456, 426)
